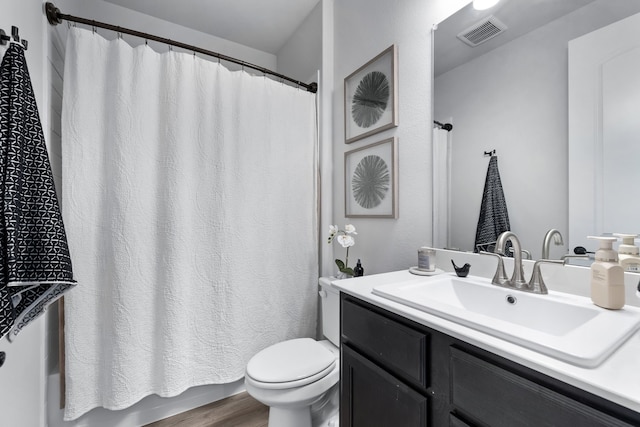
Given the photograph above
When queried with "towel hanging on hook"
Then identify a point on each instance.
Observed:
(494, 216)
(35, 266)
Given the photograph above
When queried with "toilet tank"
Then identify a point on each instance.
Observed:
(330, 304)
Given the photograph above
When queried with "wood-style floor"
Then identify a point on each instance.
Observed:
(240, 410)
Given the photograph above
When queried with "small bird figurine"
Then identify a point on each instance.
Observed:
(461, 271)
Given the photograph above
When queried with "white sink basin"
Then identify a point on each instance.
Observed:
(564, 326)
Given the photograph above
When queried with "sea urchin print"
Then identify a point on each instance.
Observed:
(370, 181)
(370, 99)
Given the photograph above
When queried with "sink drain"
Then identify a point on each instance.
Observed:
(511, 299)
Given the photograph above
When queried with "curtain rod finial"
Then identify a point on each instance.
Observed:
(53, 13)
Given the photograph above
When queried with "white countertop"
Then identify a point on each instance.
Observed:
(617, 379)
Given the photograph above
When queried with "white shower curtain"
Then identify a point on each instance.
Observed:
(441, 187)
(189, 194)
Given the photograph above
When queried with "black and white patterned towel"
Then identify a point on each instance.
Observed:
(35, 267)
(494, 217)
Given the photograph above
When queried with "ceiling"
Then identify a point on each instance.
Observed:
(261, 24)
(520, 17)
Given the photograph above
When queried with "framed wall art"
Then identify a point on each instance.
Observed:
(370, 97)
(371, 181)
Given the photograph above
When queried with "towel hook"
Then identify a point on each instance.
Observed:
(490, 153)
(4, 38)
(14, 33)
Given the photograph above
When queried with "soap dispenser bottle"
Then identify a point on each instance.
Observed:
(358, 270)
(607, 276)
(628, 252)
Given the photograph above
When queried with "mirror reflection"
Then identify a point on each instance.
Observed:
(509, 96)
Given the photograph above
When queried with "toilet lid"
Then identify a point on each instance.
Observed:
(292, 360)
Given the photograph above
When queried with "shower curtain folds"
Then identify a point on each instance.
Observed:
(190, 196)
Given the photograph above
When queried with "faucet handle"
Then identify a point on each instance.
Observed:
(500, 278)
(536, 284)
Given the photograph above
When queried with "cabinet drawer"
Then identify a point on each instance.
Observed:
(390, 343)
(494, 396)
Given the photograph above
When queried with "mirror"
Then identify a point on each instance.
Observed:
(510, 94)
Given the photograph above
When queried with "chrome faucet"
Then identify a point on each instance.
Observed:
(536, 284)
(517, 279)
(500, 278)
(557, 240)
(525, 253)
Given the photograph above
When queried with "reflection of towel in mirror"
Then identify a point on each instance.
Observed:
(35, 268)
(494, 218)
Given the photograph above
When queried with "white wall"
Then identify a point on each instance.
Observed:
(301, 56)
(22, 379)
(363, 29)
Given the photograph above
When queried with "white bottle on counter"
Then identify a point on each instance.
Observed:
(607, 276)
(628, 253)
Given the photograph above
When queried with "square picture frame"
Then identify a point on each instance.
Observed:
(371, 180)
(370, 97)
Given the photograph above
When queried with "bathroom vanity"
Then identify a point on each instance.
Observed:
(403, 367)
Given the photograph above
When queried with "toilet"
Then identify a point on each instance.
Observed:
(298, 378)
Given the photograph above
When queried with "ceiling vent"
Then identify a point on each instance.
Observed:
(484, 30)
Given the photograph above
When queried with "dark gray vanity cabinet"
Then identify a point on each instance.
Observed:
(398, 373)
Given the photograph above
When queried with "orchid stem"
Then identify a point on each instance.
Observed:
(346, 260)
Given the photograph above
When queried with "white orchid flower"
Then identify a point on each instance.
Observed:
(346, 241)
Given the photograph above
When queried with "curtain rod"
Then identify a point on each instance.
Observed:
(55, 17)
(445, 126)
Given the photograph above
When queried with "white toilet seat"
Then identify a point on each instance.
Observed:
(290, 364)
(291, 384)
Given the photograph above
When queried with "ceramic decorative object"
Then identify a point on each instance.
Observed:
(461, 271)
